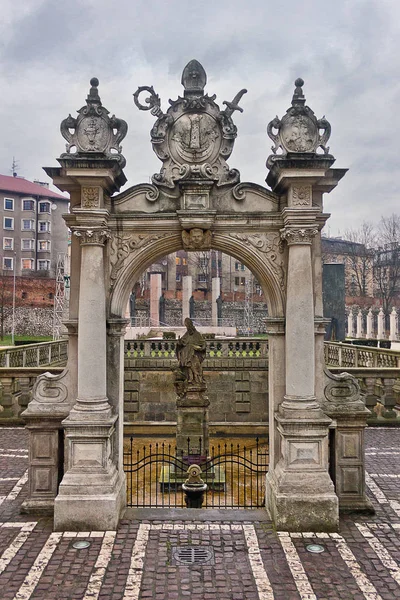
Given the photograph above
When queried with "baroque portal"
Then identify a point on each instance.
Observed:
(195, 201)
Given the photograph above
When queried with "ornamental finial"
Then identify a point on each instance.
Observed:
(94, 131)
(298, 96)
(194, 79)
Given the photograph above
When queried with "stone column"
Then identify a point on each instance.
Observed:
(381, 324)
(216, 292)
(393, 325)
(186, 295)
(91, 478)
(155, 293)
(300, 481)
(350, 324)
(359, 333)
(370, 324)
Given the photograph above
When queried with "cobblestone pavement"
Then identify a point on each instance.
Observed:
(240, 559)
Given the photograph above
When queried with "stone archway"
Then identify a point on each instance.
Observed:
(195, 202)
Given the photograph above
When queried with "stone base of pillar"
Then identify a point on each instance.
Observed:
(299, 492)
(92, 493)
(45, 467)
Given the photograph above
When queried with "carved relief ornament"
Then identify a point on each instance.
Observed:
(92, 237)
(196, 239)
(303, 235)
(91, 197)
(271, 246)
(301, 195)
(122, 246)
(194, 138)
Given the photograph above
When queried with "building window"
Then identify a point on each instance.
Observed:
(8, 204)
(44, 207)
(28, 224)
(44, 245)
(8, 244)
(203, 261)
(8, 263)
(8, 222)
(178, 277)
(242, 267)
(27, 244)
(236, 266)
(28, 205)
(202, 278)
(43, 265)
(184, 261)
(237, 281)
(242, 281)
(27, 264)
(177, 260)
(44, 226)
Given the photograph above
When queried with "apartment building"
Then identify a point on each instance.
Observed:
(33, 230)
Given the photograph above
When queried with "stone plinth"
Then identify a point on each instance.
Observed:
(192, 421)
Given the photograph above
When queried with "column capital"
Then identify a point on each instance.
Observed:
(117, 327)
(275, 326)
(92, 237)
(299, 235)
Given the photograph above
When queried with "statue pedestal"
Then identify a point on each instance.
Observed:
(192, 422)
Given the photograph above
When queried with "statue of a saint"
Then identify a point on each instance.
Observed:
(191, 351)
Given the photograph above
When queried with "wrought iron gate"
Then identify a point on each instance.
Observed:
(235, 474)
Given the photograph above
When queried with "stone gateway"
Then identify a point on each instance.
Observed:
(195, 201)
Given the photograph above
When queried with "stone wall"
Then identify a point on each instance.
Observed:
(29, 320)
(237, 389)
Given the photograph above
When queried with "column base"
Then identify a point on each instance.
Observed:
(92, 493)
(299, 492)
(90, 509)
(304, 510)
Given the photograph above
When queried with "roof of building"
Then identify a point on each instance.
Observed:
(18, 185)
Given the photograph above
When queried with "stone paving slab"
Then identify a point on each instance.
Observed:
(251, 560)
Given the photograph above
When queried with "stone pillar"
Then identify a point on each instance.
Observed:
(350, 324)
(186, 295)
(91, 478)
(370, 324)
(359, 333)
(393, 325)
(216, 292)
(300, 493)
(381, 324)
(155, 293)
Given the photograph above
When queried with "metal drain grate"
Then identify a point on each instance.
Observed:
(192, 555)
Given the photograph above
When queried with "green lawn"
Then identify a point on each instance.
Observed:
(6, 341)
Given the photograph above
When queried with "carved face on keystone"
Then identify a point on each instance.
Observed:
(196, 237)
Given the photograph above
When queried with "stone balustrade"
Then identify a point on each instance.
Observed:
(35, 355)
(216, 348)
(338, 354)
(372, 324)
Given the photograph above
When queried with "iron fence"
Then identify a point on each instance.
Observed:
(235, 474)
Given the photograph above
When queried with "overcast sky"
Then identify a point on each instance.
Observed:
(347, 51)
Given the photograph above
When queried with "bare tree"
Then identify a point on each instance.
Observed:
(201, 261)
(360, 259)
(387, 261)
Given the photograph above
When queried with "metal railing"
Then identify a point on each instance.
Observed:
(338, 354)
(235, 475)
(35, 355)
(216, 348)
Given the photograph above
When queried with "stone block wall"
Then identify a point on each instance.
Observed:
(237, 389)
(29, 320)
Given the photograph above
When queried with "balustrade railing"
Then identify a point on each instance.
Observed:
(338, 354)
(35, 355)
(216, 348)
